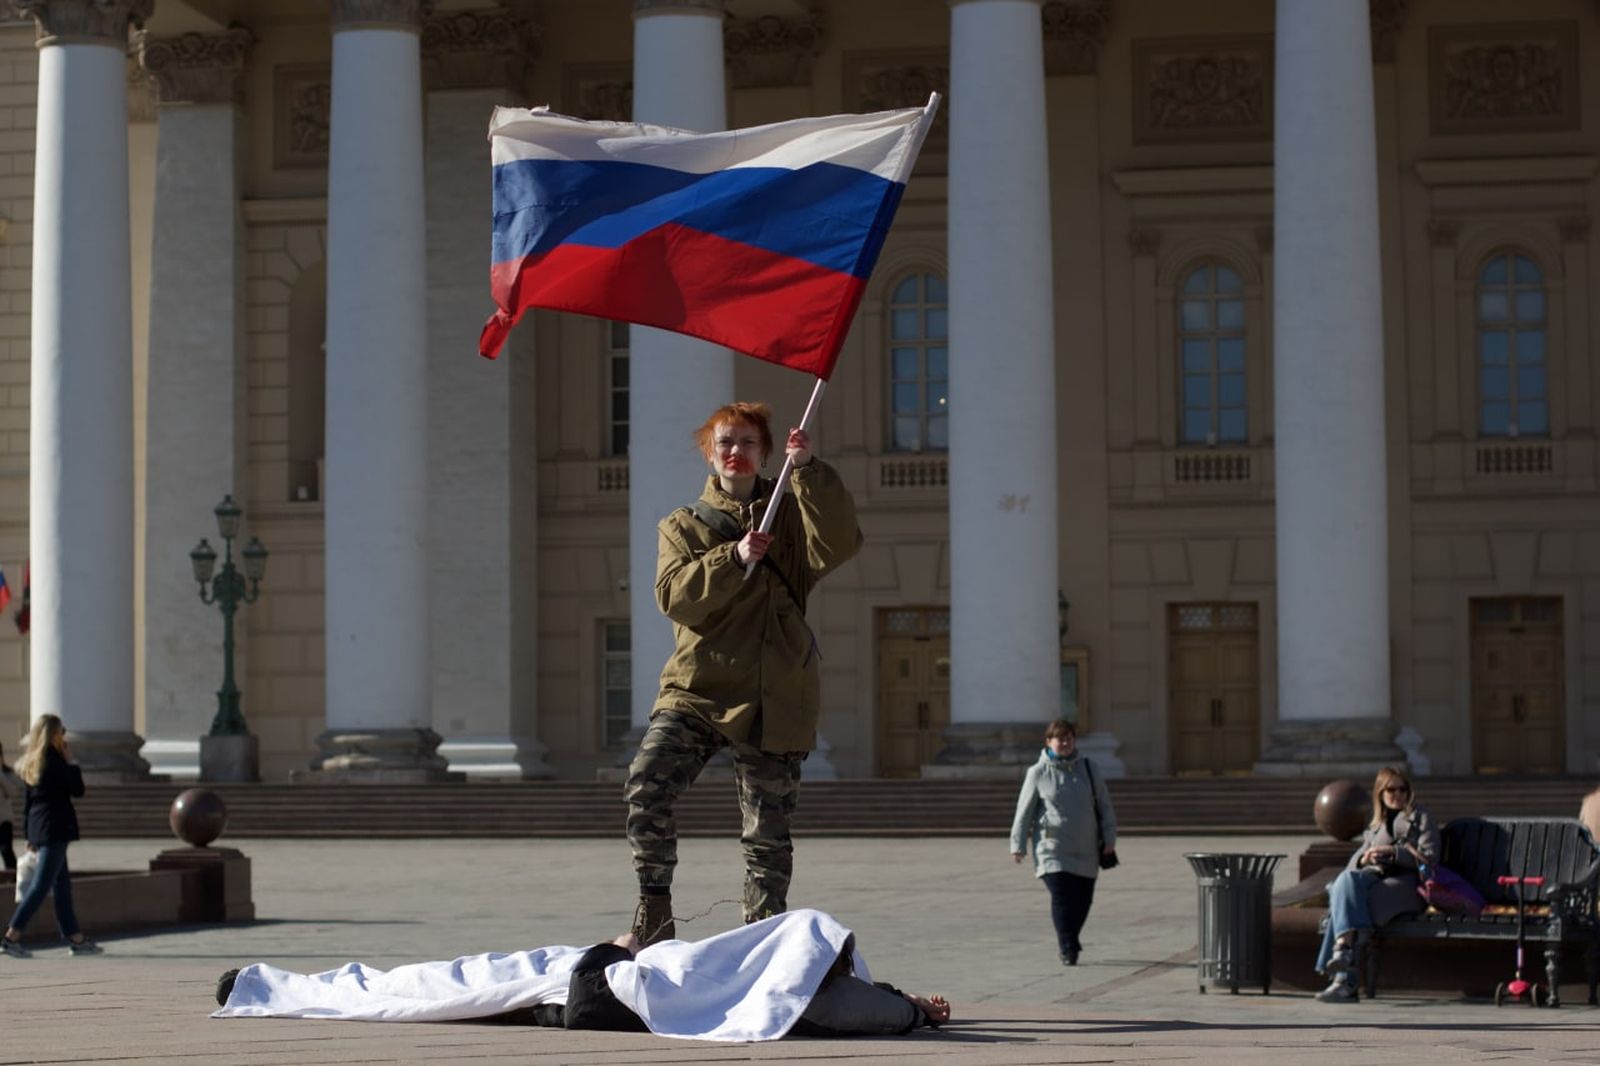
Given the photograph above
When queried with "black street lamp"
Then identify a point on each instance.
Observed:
(228, 590)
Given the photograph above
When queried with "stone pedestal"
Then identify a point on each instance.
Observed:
(1323, 748)
(983, 751)
(1102, 747)
(230, 758)
(377, 756)
(1326, 855)
(109, 755)
(217, 885)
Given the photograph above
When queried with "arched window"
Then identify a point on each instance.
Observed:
(1211, 339)
(1512, 398)
(919, 365)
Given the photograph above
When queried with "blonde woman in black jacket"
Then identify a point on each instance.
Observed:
(50, 782)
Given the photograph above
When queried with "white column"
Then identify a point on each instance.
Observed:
(1332, 524)
(674, 381)
(379, 680)
(1005, 651)
(195, 421)
(484, 523)
(81, 433)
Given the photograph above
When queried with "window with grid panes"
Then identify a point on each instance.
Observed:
(1512, 397)
(919, 365)
(1211, 340)
(617, 388)
(616, 685)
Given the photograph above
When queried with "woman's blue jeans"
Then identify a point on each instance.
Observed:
(1347, 909)
(53, 877)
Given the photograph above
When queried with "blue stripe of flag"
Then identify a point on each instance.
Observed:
(824, 214)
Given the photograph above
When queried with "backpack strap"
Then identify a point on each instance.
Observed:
(724, 525)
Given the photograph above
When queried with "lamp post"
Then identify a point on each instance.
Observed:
(231, 749)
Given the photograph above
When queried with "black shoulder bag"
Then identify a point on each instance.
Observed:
(1107, 860)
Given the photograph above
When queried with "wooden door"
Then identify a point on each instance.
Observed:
(1214, 685)
(1518, 710)
(913, 688)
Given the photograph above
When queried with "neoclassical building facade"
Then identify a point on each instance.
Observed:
(1226, 383)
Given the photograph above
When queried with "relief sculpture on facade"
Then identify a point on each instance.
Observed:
(882, 81)
(1504, 78)
(1204, 90)
(770, 51)
(598, 91)
(303, 103)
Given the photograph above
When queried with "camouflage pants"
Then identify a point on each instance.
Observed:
(675, 749)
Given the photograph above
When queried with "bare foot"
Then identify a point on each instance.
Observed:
(937, 1008)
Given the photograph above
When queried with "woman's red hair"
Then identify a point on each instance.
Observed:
(756, 415)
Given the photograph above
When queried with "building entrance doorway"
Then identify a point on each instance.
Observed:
(1518, 713)
(913, 687)
(1214, 687)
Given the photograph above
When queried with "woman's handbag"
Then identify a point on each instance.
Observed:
(27, 870)
(1445, 890)
(1108, 859)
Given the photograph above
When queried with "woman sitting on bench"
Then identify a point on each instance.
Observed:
(1380, 883)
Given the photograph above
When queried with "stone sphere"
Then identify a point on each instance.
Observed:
(198, 816)
(1343, 809)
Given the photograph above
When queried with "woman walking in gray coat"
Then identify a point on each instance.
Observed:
(1057, 810)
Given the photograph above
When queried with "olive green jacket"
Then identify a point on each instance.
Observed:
(744, 658)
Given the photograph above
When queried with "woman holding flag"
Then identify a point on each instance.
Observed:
(762, 240)
(743, 673)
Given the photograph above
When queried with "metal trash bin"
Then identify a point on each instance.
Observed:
(1235, 919)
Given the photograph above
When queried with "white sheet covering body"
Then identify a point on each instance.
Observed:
(750, 983)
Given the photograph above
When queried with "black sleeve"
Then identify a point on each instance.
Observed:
(590, 1002)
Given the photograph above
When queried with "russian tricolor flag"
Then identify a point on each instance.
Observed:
(759, 239)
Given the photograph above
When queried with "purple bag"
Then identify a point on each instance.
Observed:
(1447, 891)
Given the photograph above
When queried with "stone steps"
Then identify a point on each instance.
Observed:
(847, 808)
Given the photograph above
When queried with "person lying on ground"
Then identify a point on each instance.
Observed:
(796, 972)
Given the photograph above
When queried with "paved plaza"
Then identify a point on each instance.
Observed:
(933, 915)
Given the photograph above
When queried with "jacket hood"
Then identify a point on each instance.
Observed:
(717, 497)
(1045, 760)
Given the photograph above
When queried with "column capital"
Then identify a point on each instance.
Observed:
(198, 68)
(84, 21)
(386, 14)
(770, 50)
(484, 48)
(1074, 31)
(662, 7)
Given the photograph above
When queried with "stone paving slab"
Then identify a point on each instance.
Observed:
(947, 915)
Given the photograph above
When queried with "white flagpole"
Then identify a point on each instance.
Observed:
(783, 475)
(907, 161)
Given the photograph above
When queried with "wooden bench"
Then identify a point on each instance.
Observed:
(1561, 910)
